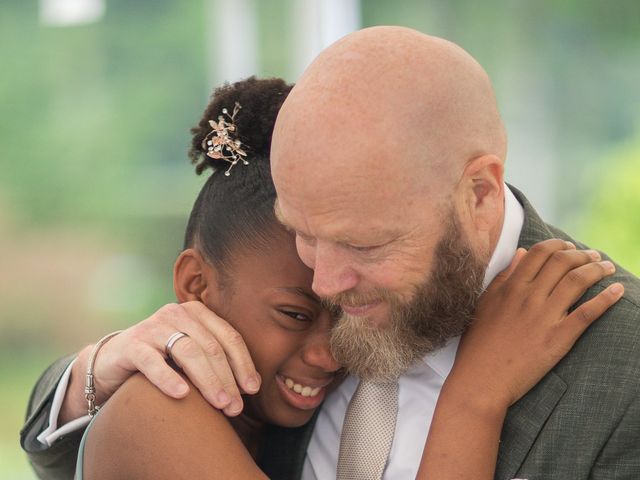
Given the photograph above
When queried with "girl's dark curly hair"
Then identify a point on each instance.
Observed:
(236, 211)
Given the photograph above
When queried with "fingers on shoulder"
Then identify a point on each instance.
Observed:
(559, 261)
(577, 280)
(557, 266)
(540, 253)
(532, 261)
(585, 314)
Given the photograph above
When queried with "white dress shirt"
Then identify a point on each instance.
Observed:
(53, 432)
(419, 387)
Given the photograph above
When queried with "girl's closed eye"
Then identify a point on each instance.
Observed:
(302, 317)
(364, 249)
(294, 319)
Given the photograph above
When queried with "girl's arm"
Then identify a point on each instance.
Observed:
(142, 433)
(522, 328)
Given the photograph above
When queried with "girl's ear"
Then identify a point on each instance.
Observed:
(193, 278)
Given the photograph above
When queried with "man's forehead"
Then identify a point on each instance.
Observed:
(291, 218)
(343, 227)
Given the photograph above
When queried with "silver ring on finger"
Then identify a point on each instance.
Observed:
(172, 341)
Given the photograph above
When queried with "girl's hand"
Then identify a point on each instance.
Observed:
(522, 326)
(521, 330)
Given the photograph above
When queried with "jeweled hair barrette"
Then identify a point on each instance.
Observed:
(219, 142)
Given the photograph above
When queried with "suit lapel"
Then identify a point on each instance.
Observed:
(524, 421)
(526, 418)
(534, 229)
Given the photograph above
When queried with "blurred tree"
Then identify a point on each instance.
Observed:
(612, 221)
(99, 112)
(95, 184)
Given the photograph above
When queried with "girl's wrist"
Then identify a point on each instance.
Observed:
(482, 400)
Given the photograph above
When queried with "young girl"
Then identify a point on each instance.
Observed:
(241, 263)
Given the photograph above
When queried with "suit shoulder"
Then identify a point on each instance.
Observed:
(610, 349)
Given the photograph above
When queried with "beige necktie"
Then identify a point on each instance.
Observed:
(367, 433)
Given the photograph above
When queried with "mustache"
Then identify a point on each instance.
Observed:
(351, 298)
(332, 307)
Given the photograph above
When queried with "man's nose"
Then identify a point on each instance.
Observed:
(332, 272)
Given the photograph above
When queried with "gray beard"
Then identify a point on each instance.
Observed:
(441, 308)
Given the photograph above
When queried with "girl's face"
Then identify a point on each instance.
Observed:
(270, 302)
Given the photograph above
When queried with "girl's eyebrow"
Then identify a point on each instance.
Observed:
(300, 292)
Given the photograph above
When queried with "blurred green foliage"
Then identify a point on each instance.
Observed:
(94, 180)
(95, 184)
(613, 220)
(98, 113)
(93, 140)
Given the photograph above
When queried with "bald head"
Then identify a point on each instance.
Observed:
(387, 158)
(414, 108)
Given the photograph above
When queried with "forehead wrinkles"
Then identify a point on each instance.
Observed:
(353, 227)
(313, 221)
(334, 174)
(349, 176)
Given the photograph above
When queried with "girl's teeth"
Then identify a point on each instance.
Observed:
(305, 391)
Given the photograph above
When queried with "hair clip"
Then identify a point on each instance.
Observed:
(219, 143)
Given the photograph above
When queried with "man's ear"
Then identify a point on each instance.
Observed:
(193, 277)
(482, 184)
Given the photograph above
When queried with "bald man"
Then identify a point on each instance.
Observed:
(388, 160)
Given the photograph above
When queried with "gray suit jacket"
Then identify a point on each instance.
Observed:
(57, 462)
(582, 421)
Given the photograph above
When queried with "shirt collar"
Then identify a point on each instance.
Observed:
(441, 361)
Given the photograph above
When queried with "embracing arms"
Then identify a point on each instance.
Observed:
(214, 357)
(143, 345)
(522, 329)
